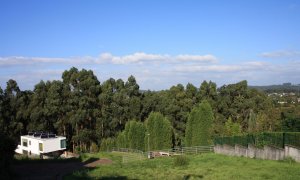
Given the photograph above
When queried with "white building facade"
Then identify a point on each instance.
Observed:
(41, 143)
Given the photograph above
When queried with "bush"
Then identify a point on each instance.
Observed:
(77, 150)
(107, 144)
(181, 161)
(94, 148)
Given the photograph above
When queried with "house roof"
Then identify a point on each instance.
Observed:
(43, 139)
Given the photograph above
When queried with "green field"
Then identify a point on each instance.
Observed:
(204, 166)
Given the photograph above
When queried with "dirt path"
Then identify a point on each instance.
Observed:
(99, 162)
(53, 170)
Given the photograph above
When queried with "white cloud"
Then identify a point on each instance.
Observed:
(140, 57)
(107, 58)
(198, 58)
(152, 71)
(20, 60)
(247, 66)
(132, 58)
(280, 54)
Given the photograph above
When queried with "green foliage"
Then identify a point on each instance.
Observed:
(231, 128)
(136, 135)
(121, 141)
(238, 102)
(291, 119)
(94, 148)
(208, 92)
(181, 160)
(107, 144)
(85, 111)
(277, 139)
(252, 122)
(159, 132)
(198, 130)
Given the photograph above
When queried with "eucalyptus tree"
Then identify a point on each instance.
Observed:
(23, 112)
(2, 118)
(39, 120)
(11, 126)
(84, 88)
(133, 99)
(105, 125)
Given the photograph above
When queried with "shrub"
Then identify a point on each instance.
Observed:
(107, 144)
(77, 150)
(94, 148)
(181, 161)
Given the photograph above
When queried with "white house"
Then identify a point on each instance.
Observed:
(39, 143)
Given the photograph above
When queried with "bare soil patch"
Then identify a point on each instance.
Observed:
(103, 161)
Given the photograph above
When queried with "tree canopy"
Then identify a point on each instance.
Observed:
(89, 112)
(198, 128)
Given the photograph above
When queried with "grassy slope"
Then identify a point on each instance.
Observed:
(206, 166)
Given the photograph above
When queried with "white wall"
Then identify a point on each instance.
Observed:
(49, 145)
(292, 152)
(32, 147)
(267, 152)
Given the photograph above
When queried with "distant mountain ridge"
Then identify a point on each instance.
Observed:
(285, 87)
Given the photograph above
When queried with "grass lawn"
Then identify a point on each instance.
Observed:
(204, 166)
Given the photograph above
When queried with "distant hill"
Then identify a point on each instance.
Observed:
(285, 87)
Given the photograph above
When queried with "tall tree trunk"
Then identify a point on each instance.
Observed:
(102, 128)
(73, 146)
(77, 129)
(64, 127)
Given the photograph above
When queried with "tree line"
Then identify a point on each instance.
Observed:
(89, 113)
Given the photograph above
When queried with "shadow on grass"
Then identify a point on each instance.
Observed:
(114, 178)
(27, 160)
(102, 178)
(193, 176)
(51, 168)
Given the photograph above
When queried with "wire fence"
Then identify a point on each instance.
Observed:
(130, 155)
(127, 150)
(188, 150)
(276, 139)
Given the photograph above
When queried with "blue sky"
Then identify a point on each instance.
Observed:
(161, 43)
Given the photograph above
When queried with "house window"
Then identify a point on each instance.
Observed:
(29, 143)
(24, 142)
(62, 144)
(41, 146)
